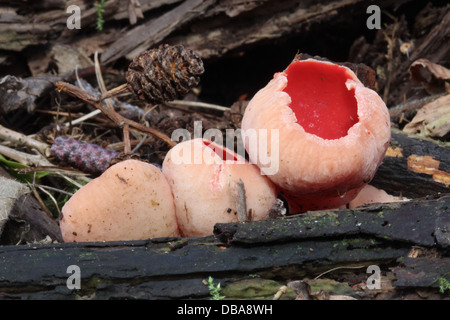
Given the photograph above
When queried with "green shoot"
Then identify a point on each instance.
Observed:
(13, 166)
(100, 11)
(214, 290)
(444, 285)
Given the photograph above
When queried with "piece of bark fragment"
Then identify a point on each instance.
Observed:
(22, 219)
(22, 93)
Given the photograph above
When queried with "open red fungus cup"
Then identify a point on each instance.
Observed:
(333, 133)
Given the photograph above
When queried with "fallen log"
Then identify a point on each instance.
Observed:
(423, 273)
(400, 221)
(213, 27)
(414, 167)
(282, 248)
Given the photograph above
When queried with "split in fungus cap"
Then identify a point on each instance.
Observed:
(212, 184)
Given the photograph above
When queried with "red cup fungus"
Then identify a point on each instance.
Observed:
(212, 184)
(131, 200)
(333, 133)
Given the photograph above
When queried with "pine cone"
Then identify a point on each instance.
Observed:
(164, 74)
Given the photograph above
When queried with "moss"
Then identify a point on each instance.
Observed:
(331, 286)
(255, 288)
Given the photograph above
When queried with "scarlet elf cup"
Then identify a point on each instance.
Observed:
(333, 133)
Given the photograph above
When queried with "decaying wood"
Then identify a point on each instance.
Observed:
(405, 111)
(215, 27)
(433, 47)
(414, 168)
(35, 226)
(294, 246)
(394, 222)
(146, 35)
(422, 272)
(22, 219)
(18, 93)
(398, 45)
(175, 268)
(214, 37)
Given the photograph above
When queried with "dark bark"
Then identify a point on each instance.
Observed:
(298, 246)
(414, 168)
(423, 273)
(29, 223)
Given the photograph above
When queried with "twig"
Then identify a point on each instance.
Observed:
(390, 57)
(198, 104)
(241, 207)
(126, 139)
(53, 189)
(24, 158)
(123, 88)
(83, 118)
(39, 199)
(101, 83)
(20, 139)
(51, 197)
(280, 292)
(86, 179)
(140, 143)
(337, 268)
(118, 119)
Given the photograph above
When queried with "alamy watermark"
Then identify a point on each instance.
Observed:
(262, 147)
(74, 20)
(374, 20)
(74, 280)
(374, 281)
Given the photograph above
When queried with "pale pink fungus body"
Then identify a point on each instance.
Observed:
(204, 178)
(370, 195)
(333, 133)
(131, 200)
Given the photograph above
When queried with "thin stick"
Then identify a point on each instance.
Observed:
(241, 202)
(141, 142)
(118, 119)
(337, 268)
(84, 118)
(126, 139)
(53, 189)
(51, 197)
(280, 292)
(86, 179)
(39, 199)
(24, 158)
(21, 139)
(123, 88)
(198, 104)
(390, 54)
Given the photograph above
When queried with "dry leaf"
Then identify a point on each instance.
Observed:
(431, 74)
(432, 120)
